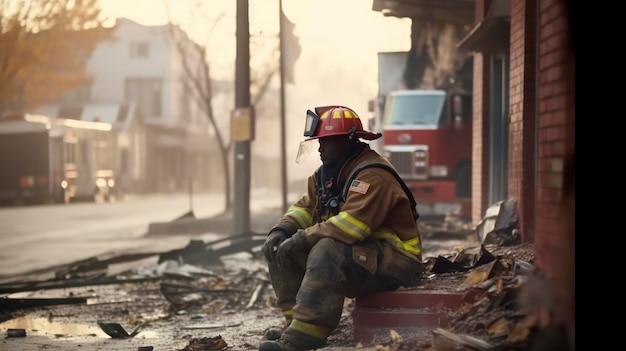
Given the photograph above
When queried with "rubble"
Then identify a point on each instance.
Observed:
(225, 300)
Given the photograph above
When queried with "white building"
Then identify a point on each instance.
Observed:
(141, 65)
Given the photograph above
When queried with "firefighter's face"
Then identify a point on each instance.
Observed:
(333, 148)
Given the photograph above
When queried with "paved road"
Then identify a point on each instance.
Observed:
(36, 237)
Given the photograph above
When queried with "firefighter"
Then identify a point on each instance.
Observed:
(353, 232)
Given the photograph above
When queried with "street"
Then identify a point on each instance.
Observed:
(36, 237)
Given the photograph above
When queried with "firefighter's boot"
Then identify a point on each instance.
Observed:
(293, 340)
(273, 333)
(284, 345)
(276, 333)
(278, 345)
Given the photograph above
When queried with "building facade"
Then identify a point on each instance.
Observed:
(523, 144)
(524, 121)
(141, 66)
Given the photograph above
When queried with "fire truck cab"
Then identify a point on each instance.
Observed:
(427, 136)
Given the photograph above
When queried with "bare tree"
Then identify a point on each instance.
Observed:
(197, 78)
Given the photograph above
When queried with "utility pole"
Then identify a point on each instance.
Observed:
(242, 123)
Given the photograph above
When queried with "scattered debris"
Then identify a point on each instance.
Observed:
(464, 260)
(210, 326)
(206, 344)
(462, 339)
(194, 282)
(490, 316)
(255, 295)
(116, 331)
(9, 288)
(11, 303)
(195, 253)
(500, 226)
(16, 333)
(446, 226)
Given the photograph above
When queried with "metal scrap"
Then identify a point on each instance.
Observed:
(116, 331)
(500, 225)
(10, 303)
(463, 261)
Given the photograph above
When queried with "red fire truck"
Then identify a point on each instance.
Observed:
(427, 136)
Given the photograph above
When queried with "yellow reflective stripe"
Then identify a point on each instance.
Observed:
(288, 314)
(338, 114)
(349, 114)
(301, 216)
(310, 329)
(412, 246)
(350, 225)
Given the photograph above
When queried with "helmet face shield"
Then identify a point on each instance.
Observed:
(305, 149)
(310, 124)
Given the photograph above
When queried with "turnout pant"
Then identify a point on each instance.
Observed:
(312, 286)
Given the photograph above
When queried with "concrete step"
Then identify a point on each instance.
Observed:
(418, 309)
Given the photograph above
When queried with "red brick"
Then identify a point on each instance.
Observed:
(410, 299)
(401, 309)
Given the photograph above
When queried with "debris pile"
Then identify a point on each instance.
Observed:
(491, 315)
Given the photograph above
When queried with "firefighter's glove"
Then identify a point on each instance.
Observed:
(295, 242)
(270, 247)
(283, 251)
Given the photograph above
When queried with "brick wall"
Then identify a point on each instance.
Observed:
(480, 127)
(516, 105)
(522, 110)
(554, 241)
(556, 132)
(541, 140)
(479, 147)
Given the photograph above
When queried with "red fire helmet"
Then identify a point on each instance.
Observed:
(335, 120)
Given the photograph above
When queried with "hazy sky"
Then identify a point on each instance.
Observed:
(333, 34)
(339, 41)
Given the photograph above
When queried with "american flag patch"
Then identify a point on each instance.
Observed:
(359, 186)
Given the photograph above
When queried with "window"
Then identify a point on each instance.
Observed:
(410, 109)
(139, 49)
(146, 92)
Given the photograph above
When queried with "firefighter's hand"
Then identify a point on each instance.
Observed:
(283, 251)
(270, 247)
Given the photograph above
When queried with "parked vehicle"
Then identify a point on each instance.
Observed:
(55, 160)
(427, 137)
